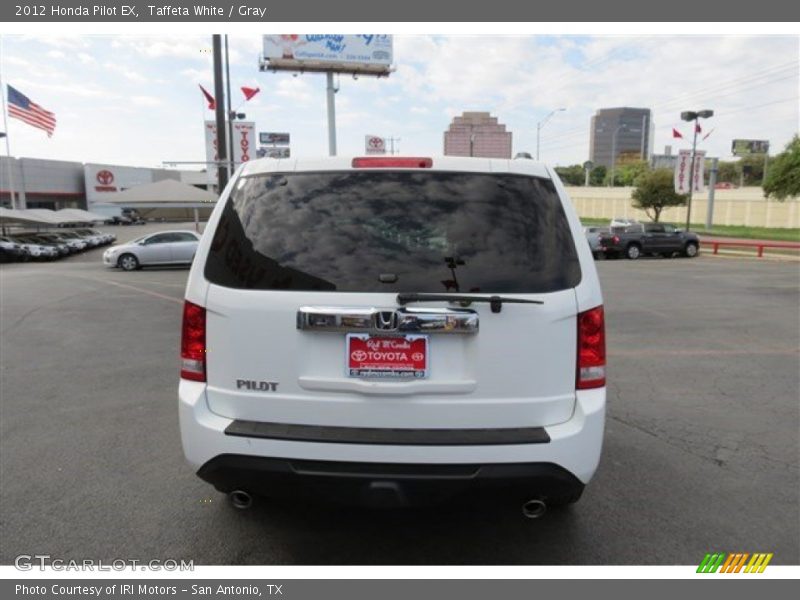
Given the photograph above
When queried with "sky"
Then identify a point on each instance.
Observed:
(134, 100)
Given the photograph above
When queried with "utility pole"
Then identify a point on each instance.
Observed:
(392, 140)
(331, 97)
(219, 94)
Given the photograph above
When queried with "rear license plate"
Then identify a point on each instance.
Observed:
(401, 357)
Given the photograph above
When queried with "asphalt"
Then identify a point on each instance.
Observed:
(701, 448)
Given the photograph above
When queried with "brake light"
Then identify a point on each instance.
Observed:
(615, 239)
(591, 349)
(383, 162)
(193, 342)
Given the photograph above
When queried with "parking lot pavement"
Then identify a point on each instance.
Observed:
(701, 448)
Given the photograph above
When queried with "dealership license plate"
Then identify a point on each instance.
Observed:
(401, 357)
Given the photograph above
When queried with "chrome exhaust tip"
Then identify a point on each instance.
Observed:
(240, 499)
(533, 509)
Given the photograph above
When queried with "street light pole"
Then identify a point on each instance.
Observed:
(541, 124)
(693, 116)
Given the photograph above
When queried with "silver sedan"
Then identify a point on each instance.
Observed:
(162, 248)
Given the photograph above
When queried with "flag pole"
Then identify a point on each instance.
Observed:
(12, 191)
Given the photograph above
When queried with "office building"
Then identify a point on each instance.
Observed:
(477, 134)
(622, 133)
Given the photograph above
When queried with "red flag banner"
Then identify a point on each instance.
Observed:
(676, 133)
(698, 129)
(212, 104)
(249, 92)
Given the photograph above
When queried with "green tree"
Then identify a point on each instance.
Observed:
(597, 175)
(571, 175)
(625, 174)
(655, 191)
(783, 174)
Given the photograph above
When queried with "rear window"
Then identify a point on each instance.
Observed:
(358, 231)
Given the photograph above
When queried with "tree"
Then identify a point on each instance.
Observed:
(571, 175)
(597, 175)
(625, 174)
(783, 174)
(655, 191)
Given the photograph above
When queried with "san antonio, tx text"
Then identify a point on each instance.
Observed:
(130, 589)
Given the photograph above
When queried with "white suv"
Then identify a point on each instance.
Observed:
(392, 331)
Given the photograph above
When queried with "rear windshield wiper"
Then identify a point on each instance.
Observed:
(496, 302)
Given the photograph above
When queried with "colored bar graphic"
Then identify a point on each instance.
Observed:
(734, 562)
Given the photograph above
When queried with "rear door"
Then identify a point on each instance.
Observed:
(304, 324)
(184, 247)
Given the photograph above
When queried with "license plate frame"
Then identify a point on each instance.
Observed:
(370, 356)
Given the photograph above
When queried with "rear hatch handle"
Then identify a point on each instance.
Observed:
(496, 302)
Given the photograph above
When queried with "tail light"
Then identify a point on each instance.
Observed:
(381, 162)
(591, 349)
(615, 239)
(193, 342)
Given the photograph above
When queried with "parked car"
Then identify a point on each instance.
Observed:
(36, 251)
(593, 234)
(61, 248)
(11, 251)
(622, 222)
(74, 244)
(650, 238)
(162, 248)
(394, 330)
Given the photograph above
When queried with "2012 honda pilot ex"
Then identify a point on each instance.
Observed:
(394, 330)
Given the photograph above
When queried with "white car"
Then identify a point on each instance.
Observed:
(391, 331)
(623, 222)
(155, 249)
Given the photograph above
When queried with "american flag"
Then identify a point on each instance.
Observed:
(20, 107)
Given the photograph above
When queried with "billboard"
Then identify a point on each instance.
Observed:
(747, 147)
(682, 168)
(243, 142)
(368, 54)
(374, 144)
(273, 152)
(274, 138)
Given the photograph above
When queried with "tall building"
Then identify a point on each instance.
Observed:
(633, 130)
(477, 134)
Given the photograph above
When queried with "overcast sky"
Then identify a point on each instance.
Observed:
(134, 100)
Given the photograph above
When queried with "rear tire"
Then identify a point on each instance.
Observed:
(633, 251)
(690, 250)
(128, 262)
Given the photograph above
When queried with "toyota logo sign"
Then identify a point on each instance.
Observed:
(105, 177)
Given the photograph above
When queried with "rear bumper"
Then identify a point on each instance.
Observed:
(389, 484)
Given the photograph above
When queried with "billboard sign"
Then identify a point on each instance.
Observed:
(273, 152)
(370, 54)
(747, 147)
(374, 144)
(244, 145)
(274, 138)
(683, 167)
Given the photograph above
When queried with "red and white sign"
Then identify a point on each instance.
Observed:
(105, 178)
(388, 357)
(244, 145)
(682, 168)
(374, 144)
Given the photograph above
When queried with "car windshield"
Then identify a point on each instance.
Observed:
(394, 231)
